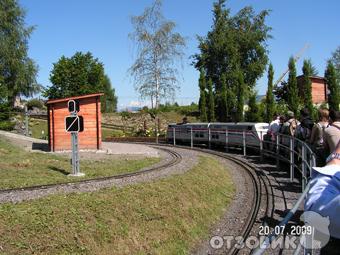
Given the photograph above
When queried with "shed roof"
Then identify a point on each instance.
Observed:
(73, 98)
(312, 77)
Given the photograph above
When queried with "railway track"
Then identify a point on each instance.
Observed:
(261, 190)
(175, 159)
(257, 180)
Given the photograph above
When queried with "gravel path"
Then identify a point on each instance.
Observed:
(236, 213)
(189, 160)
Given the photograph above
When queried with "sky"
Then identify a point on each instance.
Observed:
(63, 27)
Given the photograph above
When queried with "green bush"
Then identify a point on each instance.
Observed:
(35, 103)
(7, 125)
(182, 109)
(5, 110)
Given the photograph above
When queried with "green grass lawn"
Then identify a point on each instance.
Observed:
(38, 128)
(19, 168)
(106, 133)
(168, 216)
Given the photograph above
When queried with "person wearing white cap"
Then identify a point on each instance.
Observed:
(323, 198)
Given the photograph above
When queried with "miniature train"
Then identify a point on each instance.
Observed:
(219, 134)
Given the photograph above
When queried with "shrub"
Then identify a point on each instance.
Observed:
(7, 125)
(35, 103)
(5, 110)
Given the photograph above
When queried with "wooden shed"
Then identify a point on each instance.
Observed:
(90, 138)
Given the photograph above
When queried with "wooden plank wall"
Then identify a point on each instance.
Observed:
(61, 140)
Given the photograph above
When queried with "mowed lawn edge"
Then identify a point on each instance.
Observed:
(167, 216)
(20, 168)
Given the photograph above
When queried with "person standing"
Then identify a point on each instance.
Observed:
(332, 132)
(304, 129)
(288, 128)
(274, 128)
(316, 139)
(323, 198)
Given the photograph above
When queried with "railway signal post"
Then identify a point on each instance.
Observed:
(74, 124)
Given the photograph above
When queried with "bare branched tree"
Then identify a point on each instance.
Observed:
(159, 51)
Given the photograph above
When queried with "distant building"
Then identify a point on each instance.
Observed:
(319, 88)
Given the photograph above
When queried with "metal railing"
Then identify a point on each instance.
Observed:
(283, 148)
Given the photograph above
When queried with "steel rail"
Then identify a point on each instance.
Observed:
(175, 159)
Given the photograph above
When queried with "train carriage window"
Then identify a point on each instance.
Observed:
(215, 136)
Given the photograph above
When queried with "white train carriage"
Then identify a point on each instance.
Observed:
(183, 132)
(232, 133)
(219, 133)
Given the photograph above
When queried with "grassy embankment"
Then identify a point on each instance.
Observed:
(167, 216)
(19, 168)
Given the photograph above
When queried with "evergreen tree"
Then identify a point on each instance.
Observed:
(253, 114)
(292, 88)
(240, 97)
(270, 102)
(202, 101)
(307, 70)
(334, 88)
(224, 99)
(231, 102)
(109, 99)
(17, 70)
(335, 59)
(211, 102)
(235, 42)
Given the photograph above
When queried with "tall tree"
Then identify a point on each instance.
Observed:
(80, 74)
(211, 102)
(223, 116)
(335, 59)
(333, 86)
(234, 43)
(307, 71)
(109, 100)
(202, 101)
(159, 47)
(270, 102)
(240, 97)
(17, 70)
(292, 88)
(253, 114)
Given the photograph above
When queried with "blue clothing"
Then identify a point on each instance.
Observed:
(323, 196)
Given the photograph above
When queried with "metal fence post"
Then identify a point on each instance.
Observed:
(174, 135)
(303, 152)
(209, 138)
(261, 146)
(277, 137)
(312, 163)
(291, 158)
(26, 121)
(191, 139)
(226, 140)
(244, 143)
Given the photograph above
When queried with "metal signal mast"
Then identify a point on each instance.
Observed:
(296, 58)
